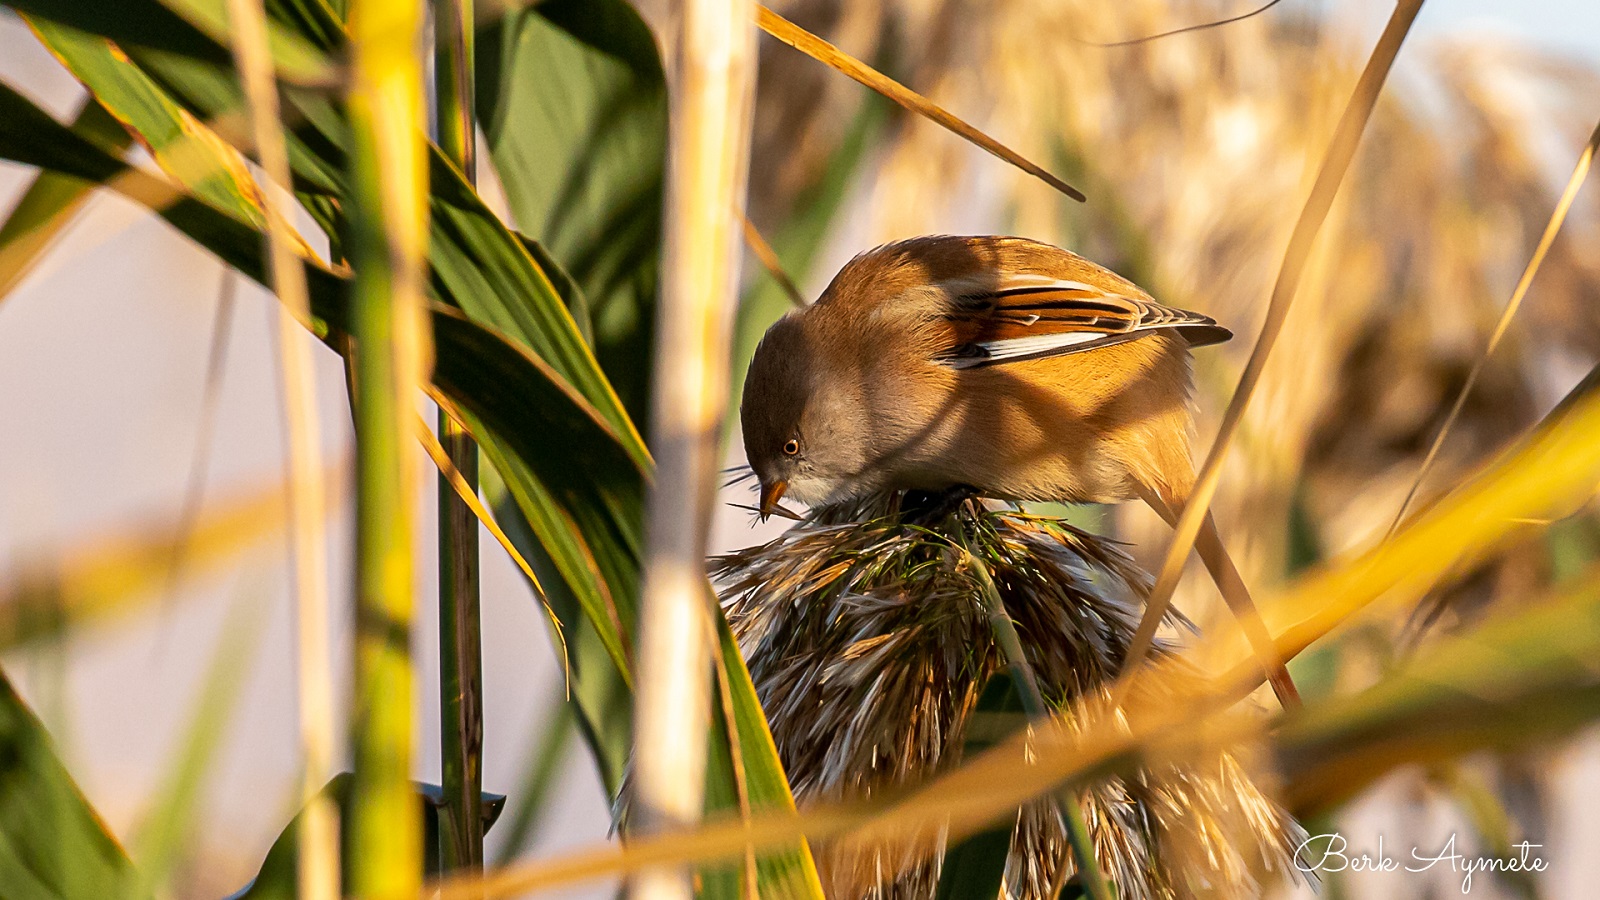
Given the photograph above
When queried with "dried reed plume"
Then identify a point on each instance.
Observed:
(869, 644)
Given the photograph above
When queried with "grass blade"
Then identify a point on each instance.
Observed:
(1551, 229)
(1341, 150)
(465, 494)
(286, 54)
(170, 826)
(116, 572)
(976, 867)
(53, 200)
(1510, 681)
(52, 843)
(1033, 703)
(545, 756)
(131, 23)
(573, 102)
(836, 59)
(768, 258)
(190, 151)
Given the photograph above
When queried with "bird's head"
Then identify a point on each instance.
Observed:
(803, 421)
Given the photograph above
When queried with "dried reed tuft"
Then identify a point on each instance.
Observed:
(869, 644)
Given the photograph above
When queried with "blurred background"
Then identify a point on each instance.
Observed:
(1196, 151)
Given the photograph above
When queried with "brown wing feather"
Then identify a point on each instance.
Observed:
(1029, 322)
(1002, 299)
(1025, 312)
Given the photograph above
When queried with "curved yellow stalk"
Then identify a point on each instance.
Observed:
(388, 241)
(713, 86)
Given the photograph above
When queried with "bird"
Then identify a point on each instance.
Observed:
(996, 365)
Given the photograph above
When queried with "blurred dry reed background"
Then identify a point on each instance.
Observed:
(1196, 152)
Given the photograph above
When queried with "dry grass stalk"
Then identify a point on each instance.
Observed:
(768, 258)
(869, 643)
(318, 860)
(1341, 150)
(834, 58)
(712, 86)
(1551, 229)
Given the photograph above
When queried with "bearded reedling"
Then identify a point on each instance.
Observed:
(995, 365)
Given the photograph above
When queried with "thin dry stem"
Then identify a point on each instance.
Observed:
(768, 258)
(318, 871)
(1341, 150)
(836, 59)
(1203, 26)
(713, 86)
(1553, 227)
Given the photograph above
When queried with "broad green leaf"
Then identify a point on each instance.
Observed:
(52, 844)
(196, 29)
(185, 148)
(276, 879)
(53, 200)
(508, 391)
(600, 673)
(563, 511)
(587, 529)
(294, 57)
(514, 392)
(131, 23)
(600, 690)
(483, 267)
(544, 413)
(478, 264)
(566, 287)
(574, 103)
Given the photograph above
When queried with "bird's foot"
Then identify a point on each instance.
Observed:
(927, 508)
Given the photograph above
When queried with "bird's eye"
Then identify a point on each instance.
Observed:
(791, 447)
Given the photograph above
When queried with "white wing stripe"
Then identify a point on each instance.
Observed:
(995, 351)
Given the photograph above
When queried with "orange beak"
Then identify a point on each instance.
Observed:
(770, 495)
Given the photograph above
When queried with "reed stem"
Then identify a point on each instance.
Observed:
(388, 238)
(460, 624)
(1033, 703)
(713, 76)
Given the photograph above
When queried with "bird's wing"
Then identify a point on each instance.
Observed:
(1030, 316)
